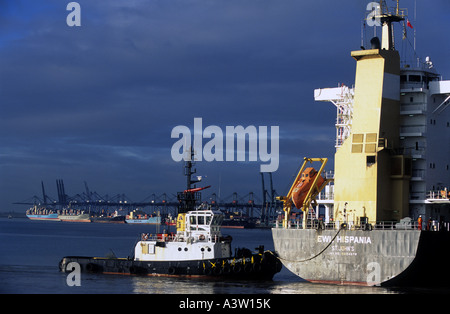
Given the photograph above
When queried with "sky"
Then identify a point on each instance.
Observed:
(98, 102)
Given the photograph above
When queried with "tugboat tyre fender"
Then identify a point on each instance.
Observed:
(172, 270)
(237, 269)
(90, 267)
(138, 270)
(257, 267)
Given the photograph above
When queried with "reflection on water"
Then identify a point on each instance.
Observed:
(313, 288)
(31, 250)
(165, 285)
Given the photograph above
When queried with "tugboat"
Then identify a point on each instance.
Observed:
(197, 249)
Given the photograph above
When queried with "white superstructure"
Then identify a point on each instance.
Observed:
(199, 239)
(425, 136)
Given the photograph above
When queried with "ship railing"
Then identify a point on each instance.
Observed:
(431, 225)
(171, 237)
(414, 86)
(352, 225)
(390, 225)
(407, 107)
(413, 129)
(443, 194)
(160, 237)
(325, 196)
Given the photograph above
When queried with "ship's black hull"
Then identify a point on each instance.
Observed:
(255, 267)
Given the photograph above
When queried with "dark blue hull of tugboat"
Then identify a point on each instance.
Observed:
(262, 266)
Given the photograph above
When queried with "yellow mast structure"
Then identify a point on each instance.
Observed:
(371, 172)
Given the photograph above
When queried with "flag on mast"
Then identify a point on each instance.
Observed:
(408, 23)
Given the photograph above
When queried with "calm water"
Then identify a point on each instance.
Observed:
(31, 250)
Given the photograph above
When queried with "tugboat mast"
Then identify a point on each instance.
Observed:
(189, 197)
(188, 171)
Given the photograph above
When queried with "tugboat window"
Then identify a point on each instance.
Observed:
(201, 220)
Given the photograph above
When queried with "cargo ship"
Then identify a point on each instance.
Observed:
(382, 218)
(46, 214)
(115, 218)
(72, 215)
(197, 249)
(142, 219)
(43, 213)
(238, 223)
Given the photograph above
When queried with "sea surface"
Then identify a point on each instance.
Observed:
(31, 250)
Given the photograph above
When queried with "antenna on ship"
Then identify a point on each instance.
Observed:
(387, 18)
(382, 15)
(189, 171)
(415, 18)
(188, 198)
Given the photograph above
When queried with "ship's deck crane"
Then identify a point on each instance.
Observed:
(311, 194)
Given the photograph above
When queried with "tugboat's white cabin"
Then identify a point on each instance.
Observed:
(198, 237)
(200, 225)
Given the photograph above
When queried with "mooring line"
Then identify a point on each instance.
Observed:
(308, 259)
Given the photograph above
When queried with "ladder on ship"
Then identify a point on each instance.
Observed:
(312, 219)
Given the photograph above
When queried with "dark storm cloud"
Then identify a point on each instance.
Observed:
(98, 102)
